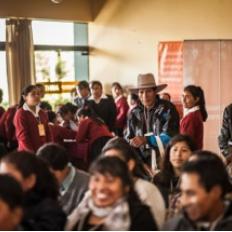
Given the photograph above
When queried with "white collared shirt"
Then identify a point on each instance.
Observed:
(103, 96)
(27, 108)
(193, 109)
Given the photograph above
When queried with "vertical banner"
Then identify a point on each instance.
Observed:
(170, 68)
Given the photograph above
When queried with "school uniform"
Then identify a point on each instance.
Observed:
(31, 128)
(122, 109)
(7, 128)
(105, 109)
(59, 134)
(96, 134)
(192, 125)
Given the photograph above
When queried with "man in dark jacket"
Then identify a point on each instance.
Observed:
(154, 121)
(225, 138)
(202, 198)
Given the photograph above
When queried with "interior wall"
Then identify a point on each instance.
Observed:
(124, 36)
(73, 10)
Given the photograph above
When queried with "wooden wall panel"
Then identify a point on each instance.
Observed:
(202, 67)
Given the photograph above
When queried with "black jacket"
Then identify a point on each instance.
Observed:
(182, 223)
(141, 218)
(106, 110)
(161, 118)
(226, 132)
(42, 214)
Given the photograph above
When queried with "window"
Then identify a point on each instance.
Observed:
(59, 42)
(3, 72)
(61, 52)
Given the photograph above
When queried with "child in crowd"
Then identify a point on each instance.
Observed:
(31, 123)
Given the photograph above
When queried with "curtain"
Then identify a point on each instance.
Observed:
(19, 57)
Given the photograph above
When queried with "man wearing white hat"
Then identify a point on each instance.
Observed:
(154, 121)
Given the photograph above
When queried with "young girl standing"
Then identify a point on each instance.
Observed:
(195, 114)
(31, 123)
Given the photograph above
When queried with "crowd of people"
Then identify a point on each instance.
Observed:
(113, 162)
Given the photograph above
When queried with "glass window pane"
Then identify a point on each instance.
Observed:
(3, 77)
(53, 33)
(2, 30)
(54, 66)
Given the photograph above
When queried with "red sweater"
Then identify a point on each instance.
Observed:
(2, 110)
(59, 133)
(192, 125)
(7, 128)
(122, 109)
(27, 132)
(89, 130)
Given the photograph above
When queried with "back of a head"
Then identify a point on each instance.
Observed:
(54, 155)
(211, 171)
(68, 107)
(44, 105)
(10, 191)
(11, 198)
(127, 153)
(28, 164)
(121, 145)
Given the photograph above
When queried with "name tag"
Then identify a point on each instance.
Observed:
(41, 129)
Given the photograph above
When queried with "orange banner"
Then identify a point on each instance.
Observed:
(170, 68)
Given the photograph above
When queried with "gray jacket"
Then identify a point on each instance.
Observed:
(75, 192)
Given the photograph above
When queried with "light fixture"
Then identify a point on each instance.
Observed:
(56, 1)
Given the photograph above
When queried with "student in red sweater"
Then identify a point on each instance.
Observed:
(31, 123)
(7, 128)
(194, 114)
(121, 107)
(93, 130)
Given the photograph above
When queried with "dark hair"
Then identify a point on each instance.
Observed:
(113, 166)
(54, 155)
(88, 112)
(117, 85)
(27, 164)
(116, 167)
(44, 105)
(1, 92)
(167, 94)
(68, 107)
(134, 97)
(51, 116)
(211, 171)
(128, 153)
(203, 155)
(11, 191)
(25, 92)
(197, 92)
(166, 166)
(83, 85)
(92, 83)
